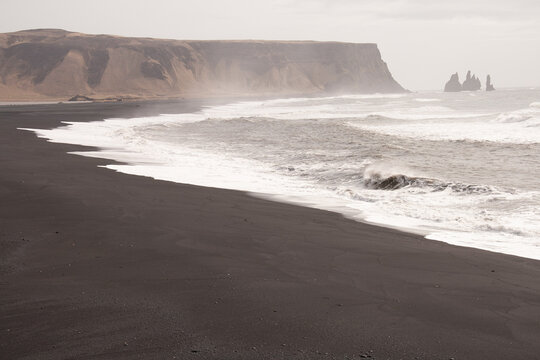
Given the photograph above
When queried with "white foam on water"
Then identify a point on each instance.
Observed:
(427, 100)
(441, 214)
(425, 113)
(462, 220)
(118, 139)
(517, 127)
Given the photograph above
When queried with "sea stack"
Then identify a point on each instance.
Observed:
(489, 85)
(471, 83)
(453, 85)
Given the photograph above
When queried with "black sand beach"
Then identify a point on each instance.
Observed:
(101, 265)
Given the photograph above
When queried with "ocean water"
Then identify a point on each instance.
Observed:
(456, 167)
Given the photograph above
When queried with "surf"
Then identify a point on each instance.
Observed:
(385, 159)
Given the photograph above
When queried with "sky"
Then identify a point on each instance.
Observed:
(422, 41)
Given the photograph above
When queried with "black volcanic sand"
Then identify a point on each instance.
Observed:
(100, 265)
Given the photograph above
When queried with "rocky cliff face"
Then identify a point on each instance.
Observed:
(59, 64)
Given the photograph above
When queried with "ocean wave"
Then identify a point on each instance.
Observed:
(427, 100)
(201, 149)
(377, 181)
(513, 117)
(501, 229)
(522, 115)
(524, 118)
(516, 128)
(372, 96)
(425, 113)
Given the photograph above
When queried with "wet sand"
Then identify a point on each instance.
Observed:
(96, 264)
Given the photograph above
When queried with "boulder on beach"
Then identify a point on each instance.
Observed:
(80, 98)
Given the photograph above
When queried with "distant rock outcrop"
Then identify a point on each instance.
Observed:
(81, 98)
(453, 85)
(489, 85)
(45, 64)
(471, 83)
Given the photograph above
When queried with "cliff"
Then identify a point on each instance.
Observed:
(41, 64)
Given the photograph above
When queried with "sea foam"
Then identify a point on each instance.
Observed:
(326, 153)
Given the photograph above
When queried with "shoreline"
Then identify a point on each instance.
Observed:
(113, 98)
(133, 161)
(96, 263)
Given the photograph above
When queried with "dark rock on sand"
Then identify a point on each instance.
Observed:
(80, 98)
(453, 85)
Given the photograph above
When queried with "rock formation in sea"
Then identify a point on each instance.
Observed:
(38, 64)
(453, 85)
(471, 83)
(489, 85)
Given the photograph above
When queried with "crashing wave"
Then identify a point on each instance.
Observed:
(523, 115)
(399, 181)
(427, 100)
(514, 117)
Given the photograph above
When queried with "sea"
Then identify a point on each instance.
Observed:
(461, 168)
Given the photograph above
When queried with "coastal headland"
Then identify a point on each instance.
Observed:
(45, 64)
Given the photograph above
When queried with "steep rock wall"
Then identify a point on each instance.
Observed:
(57, 64)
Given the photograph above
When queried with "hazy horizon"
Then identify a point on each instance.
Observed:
(423, 42)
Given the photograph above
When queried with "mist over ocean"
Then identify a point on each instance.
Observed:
(458, 167)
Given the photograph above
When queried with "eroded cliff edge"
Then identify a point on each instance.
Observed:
(40, 64)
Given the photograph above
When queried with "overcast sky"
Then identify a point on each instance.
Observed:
(423, 41)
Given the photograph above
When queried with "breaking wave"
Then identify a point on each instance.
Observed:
(517, 127)
(376, 181)
(530, 115)
(427, 100)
